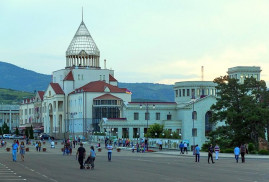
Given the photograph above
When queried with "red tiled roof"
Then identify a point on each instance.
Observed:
(56, 87)
(112, 79)
(69, 76)
(152, 103)
(107, 97)
(41, 94)
(99, 86)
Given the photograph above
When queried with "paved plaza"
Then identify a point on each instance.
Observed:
(162, 166)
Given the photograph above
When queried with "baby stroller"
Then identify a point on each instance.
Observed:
(89, 163)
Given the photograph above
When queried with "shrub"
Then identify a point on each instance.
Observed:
(263, 152)
(205, 147)
(229, 150)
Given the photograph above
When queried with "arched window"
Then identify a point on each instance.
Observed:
(208, 125)
(194, 115)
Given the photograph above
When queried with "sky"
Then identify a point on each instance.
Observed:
(155, 41)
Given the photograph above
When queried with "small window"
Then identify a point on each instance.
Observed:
(147, 116)
(81, 77)
(158, 116)
(176, 93)
(136, 116)
(188, 92)
(179, 92)
(100, 77)
(183, 90)
(78, 76)
(194, 115)
(104, 77)
(169, 116)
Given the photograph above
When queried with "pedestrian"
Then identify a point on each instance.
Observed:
(39, 146)
(181, 146)
(36, 146)
(22, 150)
(243, 152)
(81, 155)
(92, 157)
(217, 150)
(109, 151)
(14, 151)
(160, 145)
(210, 154)
(236, 153)
(197, 153)
(185, 147)
(74, 143)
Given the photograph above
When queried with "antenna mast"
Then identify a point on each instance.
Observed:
(82, 13)
(202, 73)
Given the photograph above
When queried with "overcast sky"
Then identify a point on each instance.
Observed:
(159, 41)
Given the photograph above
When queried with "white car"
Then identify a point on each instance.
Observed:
(6, 136)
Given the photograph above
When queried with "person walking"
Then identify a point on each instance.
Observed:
(236, 153)
(92, 157)
(210, 154)
(197, 153)
(185, 148)
(243, 152)
(22, 150)
(217, 151)
(81, 155)
(109, 151)
(14, 151)
(181, 146)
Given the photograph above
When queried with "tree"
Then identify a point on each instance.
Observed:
(26, 132)
(31, 132)
(1, 132)
(17, 131)
(155, 130)
(5, 128)
(242, 109)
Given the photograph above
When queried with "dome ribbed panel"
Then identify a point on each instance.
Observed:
(82, 41)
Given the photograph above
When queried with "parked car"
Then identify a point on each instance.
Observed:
(6, 136)
(44, 136)
(16, 137)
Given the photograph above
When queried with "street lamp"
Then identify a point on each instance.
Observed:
(147, 117)
(193, 133)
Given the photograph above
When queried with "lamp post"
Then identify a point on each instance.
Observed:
(147, 118)
(193, 136)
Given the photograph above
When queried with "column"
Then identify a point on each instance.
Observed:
(119, 132)
(131, 132)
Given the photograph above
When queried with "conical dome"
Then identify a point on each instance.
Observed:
(82, 50)
(82, 41)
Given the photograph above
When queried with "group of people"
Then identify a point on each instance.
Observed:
(81, 154)
(237, 151)
(15, 148)
(183, 147)
(3, 143)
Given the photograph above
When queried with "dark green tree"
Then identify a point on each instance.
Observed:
(155, 130)
(240, 105)
(31, 132)
(17, 131)
(5, 128)
(1, 132)
(27, 132)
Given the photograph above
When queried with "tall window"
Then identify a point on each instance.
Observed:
(179, 92)
(208, 125)
(188, 92)
(194, 115)
(136, 116)
(183, 90)
(176, 93)
(158, 116)
(194, 132)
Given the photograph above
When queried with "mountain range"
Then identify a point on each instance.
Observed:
(20, 79)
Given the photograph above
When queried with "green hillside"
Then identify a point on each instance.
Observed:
(9, 96)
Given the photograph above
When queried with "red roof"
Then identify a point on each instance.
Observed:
(41, 94)
(152, 103)
(100, 86)
(56, 87)
(112, 79)
(107, 97)
(69, 76)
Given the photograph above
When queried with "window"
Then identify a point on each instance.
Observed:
(176, 93)
(183, 90)
(192, 92)
(78, 76)
(194, 132)
(29, 111)
(136, 116)
(81, 77)
(179, 92)
(147, 116)
(104, 77)
(198, 92)
(169, 116)
(188, 92)
(100, 77)
(25, 111)
(158, 116)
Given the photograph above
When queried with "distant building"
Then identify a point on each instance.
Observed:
(9, 114)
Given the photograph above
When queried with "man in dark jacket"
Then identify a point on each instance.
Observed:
(210, 154)
(81, 152)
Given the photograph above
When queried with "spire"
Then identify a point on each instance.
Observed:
(82, 13)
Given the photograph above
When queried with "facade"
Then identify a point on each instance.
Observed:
(83, 98)
(9, 114)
